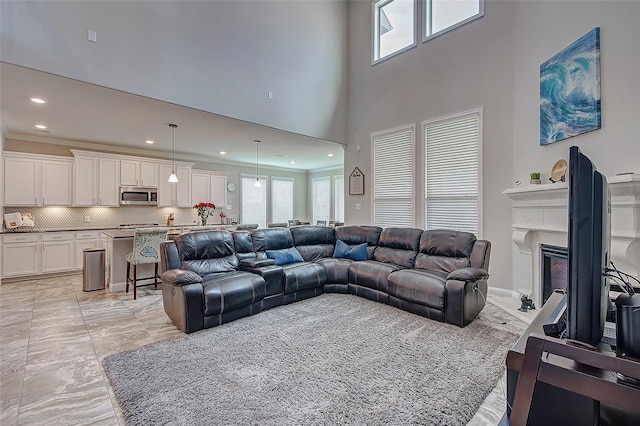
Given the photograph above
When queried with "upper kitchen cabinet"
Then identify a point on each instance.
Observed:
(96, 180)
(37, 180)
(138, 173)
(174, 194)
(208, 187)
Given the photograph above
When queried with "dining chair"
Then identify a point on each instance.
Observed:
(146, 249)
(321, 222)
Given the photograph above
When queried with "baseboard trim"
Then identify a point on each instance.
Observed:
(502, 292)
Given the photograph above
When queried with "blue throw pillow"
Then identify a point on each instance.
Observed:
(285, 256)
(343, 250)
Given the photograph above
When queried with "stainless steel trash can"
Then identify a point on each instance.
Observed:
(93, 268)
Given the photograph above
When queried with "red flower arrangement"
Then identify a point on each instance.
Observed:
(204, 211)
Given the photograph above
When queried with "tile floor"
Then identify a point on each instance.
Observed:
(53, 337)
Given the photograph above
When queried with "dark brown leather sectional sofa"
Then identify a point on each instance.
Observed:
(213, 277)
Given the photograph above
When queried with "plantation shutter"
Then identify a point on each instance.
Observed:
(393, 160)
(321, 194)
(451, 173)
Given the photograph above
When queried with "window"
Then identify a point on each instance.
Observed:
(393, 157)
(441, 16)
(338, 198)
(393, 27)
(321, 193)
(254, 201)
(281, 199)
(452, 171)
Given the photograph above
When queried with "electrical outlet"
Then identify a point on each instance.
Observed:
(358, 206)
(87, 219)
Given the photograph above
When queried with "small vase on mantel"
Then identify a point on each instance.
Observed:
(203, 220)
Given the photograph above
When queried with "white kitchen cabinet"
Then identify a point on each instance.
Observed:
(208, 187)
(85, 240)
(96, 181)
(37, 180)
(174, 194)
(20, 255)
(138, 173)
(57, 252)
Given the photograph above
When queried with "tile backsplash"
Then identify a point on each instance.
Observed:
(74, 217)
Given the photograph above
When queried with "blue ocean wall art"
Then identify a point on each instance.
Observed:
(570, 90)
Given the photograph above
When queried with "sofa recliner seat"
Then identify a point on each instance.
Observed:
(396, 249)
(202, 287)
(300, 279)
(448, 281)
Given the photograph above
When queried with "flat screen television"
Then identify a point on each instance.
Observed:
(587, 250)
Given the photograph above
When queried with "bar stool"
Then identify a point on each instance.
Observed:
(146, 249)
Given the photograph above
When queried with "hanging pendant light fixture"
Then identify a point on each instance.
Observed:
(257, 176)
(173, 178)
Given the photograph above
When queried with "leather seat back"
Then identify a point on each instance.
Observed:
(357, 234)
(314, 242)
(445, 250)
(398, 246)
(271, 239)
(207, 252)
(244, 245)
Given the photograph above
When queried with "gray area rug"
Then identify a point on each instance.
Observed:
(332, 359)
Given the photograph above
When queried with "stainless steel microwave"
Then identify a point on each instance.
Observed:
(130, 195)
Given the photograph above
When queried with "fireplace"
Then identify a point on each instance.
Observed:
(539, 218)
(553, 261)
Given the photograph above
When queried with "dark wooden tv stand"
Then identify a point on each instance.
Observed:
(551, 405)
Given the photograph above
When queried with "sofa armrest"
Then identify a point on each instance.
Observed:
(256, 263)
(468, 274)
(180, 277)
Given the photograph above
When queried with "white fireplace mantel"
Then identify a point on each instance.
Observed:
(539, 216)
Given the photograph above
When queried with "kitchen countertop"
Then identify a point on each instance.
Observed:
(173, 229)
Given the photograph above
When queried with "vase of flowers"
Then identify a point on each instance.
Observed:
(222, 218)
(204, 211)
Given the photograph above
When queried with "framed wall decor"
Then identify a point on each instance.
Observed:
(356, 182)
(570, 90)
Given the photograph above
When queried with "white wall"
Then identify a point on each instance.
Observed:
(494, 63)
(462, 70)
(541, 30)
(217, 56)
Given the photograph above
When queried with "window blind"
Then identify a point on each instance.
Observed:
(452, 173)
(281, 200)
(338, 198)
(321, 193)
(254, 201)
(393, 158)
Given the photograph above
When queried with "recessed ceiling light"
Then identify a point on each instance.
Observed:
(41, 127)
(223, 152)
(149, 141)
(293, 162)
(38, 101)
(330, 155)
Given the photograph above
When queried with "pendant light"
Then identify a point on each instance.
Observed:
(257, 176)
(173, 178)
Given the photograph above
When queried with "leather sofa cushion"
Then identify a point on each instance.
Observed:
(244, 245)
(337, 270)
(421, 287)
(444, 250)
(271, 239)
(371, 273)
(205, 245)
(205, 267)
(314, 242)
(356, 234)
(398, 246)
(302, 276)
(231, 291)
